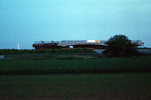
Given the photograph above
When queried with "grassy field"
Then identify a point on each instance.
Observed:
(54, 56)
(44, 51)
(123, 86)
(114, 65)
(76, 79)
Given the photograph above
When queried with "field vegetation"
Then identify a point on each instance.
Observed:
(14, 51)
(75, 66)
(55, 56)
(124, 86)
(73, 75)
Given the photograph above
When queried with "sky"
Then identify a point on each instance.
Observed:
(27, 21)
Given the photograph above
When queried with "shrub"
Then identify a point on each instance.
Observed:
(120, 46)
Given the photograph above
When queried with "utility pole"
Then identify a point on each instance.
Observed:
(18, 46)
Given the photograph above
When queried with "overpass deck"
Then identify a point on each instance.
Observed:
(77, 44)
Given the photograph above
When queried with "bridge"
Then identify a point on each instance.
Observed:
(66, 44)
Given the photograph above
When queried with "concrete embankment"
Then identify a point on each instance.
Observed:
(100, 51)
(144, 51)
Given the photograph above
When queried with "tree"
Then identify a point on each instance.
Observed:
(119, 46)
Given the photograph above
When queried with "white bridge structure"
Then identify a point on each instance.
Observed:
(65, 44)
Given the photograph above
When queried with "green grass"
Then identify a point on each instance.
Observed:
(125, 86)
(45, 51)
(54, 56)
(115, 65)
(76, 79)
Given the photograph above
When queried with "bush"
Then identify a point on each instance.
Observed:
(120, 46)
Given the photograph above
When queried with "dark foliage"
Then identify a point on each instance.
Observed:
(43, 51)
(120, 46)
(76, 71)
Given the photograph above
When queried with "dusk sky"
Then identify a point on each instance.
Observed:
(26, 21)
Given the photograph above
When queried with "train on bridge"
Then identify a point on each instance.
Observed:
(73, 44)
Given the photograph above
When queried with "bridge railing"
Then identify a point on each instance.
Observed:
(79, 41)
(136, 41)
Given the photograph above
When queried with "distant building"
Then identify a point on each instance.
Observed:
(68, 44)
